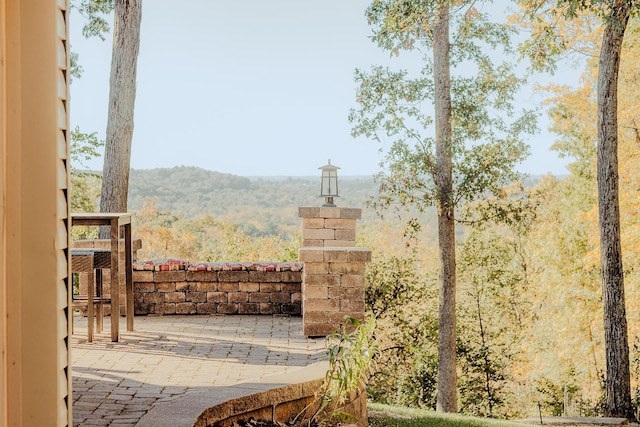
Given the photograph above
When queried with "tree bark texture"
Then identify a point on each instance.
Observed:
(122, 95)
(447, 377)
(618, 390)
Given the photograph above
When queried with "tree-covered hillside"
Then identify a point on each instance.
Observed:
(262, 205)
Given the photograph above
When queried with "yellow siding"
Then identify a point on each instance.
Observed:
(35, 381)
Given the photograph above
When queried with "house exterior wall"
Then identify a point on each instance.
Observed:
(35, 379)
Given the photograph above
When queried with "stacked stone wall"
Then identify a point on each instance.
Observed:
(217, 292)
(330, 227)
(334, 283)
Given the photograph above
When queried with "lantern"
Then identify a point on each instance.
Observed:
(329, 184)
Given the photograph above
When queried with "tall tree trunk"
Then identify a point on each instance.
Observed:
(618, 390)
(122, 95)
(447, 378)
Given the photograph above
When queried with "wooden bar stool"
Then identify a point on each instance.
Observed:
(92, 262)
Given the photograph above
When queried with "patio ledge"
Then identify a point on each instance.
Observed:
(272, 394)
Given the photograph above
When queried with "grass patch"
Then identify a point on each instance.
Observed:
(395, 416)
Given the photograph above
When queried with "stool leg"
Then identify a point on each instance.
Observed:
(90, 290)
(74, 276)
(72, 311)
(100, 308)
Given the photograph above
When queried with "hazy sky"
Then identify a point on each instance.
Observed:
(248, 87)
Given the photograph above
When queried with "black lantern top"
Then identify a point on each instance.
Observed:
(329, 183)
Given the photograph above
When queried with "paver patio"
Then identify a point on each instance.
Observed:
(170, 356)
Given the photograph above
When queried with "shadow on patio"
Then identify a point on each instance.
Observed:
(169, 356)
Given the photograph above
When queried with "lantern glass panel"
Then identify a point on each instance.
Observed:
(329, 183)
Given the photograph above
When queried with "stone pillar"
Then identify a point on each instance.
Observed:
(333, 278)
(329, 226)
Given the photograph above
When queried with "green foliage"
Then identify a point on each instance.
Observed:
(85, 191)
(543, 48)
(565, 321)
(554, 32)
(493, 282)
(483, 380)
(351, 352)
(476, 150)
(394, 107)
(96, 12)
(403, 26)
(588, 407)
(392, 284)
(76, 69)
(552, 395)
(85, 186)
(83, 147)
(400, 24)
(417, 386)
(572, 112)
(403, 299)
(166, 235)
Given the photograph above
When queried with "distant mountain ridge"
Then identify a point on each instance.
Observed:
(267, 205)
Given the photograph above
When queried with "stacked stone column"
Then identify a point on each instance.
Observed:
(333, 278)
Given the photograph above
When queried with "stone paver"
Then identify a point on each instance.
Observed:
(169, 356)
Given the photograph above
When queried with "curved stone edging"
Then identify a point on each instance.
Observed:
(281, 404)
(218, 403)
(280, 398)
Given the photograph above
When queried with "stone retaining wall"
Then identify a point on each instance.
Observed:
(284, 404)
(246, 291)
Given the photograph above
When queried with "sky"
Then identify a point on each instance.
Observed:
(251, 88)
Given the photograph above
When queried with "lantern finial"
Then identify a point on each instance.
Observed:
(329, 183)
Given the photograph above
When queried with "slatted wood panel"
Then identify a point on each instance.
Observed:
(64, 219)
